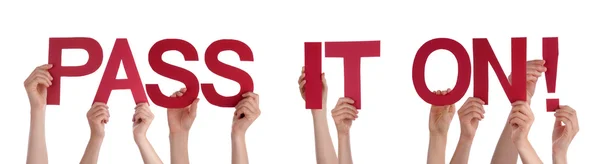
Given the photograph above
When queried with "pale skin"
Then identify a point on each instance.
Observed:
(142, 118)
(343, 115)
(180, 123)
(97, 116)
(521, 118)
(246, 112)
(469, 114)
(506, 152)
(323, 145)
(36, 85)
(440, 118)
(563, 135)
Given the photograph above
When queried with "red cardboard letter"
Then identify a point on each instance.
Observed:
(173, 72)
(312, 75)
(483, 53)
(351, 52)
(464, 71)
(121, 53)
(227, 71)
(55, 47)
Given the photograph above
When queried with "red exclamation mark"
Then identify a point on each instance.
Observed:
(550, 55)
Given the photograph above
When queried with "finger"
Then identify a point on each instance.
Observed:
(301, 85)
(344, 100)
(346, 111)
(471, 104)
(473, 115)
(566, 110)
(183, 90)
(40, 80)
(518, 115)
(194, 107)
(252, 95)
(568, 123)
(473, 109)
(519, 103)
(251, 105)
(534, 71)
(518, 122)
(45, 67)
(324, 80)
(179, 94)
(345, 117)
(536, 62)
(302, 76)
(44, 73)
(531, 78)
(99, 111)
(558, 122)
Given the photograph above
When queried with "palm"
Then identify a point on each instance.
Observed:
(440, 117)
(38, 97)
(179, 119)
(558, 134)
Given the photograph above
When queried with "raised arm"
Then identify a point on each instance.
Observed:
(563, 134)
(180, 123)
(470, 113)
(521, 118)
(246, 112)
(97, 116)
(440, 118)
(323, 144)
(142, 118)
(344, 114)
(506, 152)
(36, 86)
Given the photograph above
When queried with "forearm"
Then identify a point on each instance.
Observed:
(528, 154)
(323, 144)
(148, 154)
(239, 155)
(437, 149)
(505, 152)
(37, 152)
(92, 151)
(559, 157)
(179, 148)
(345, 153)
(463, 149)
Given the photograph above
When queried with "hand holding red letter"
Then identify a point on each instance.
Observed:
(469, 114)
(521, 118)
(141, 120)
(98, 116)
(440, 117)
(564, 134)
(181, 119)
(37, 85)
(246, 112)
(343, 114)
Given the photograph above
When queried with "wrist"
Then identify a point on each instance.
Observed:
(96, 136)
(522, 144)
(559, 157)
(238, 137)
(140, 138)
(466, 138)
(179, 134)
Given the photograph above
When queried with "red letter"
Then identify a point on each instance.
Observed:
(464, 71)
(312, 75)
(173, 72)
(211, 57)
(55, 47)
(351, 52)
(121, 53)
(483, 53)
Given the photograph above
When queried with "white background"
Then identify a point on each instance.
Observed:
(392, 127)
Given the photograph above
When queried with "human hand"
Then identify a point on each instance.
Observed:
(343, 114)
(440, 117)
(97, 116)
(469, 114)
(246, 112)
(521, 118)
(564, 134)
(181, 119)
(37, 85)
(142, 118)
(302, 82)
(535, 68)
